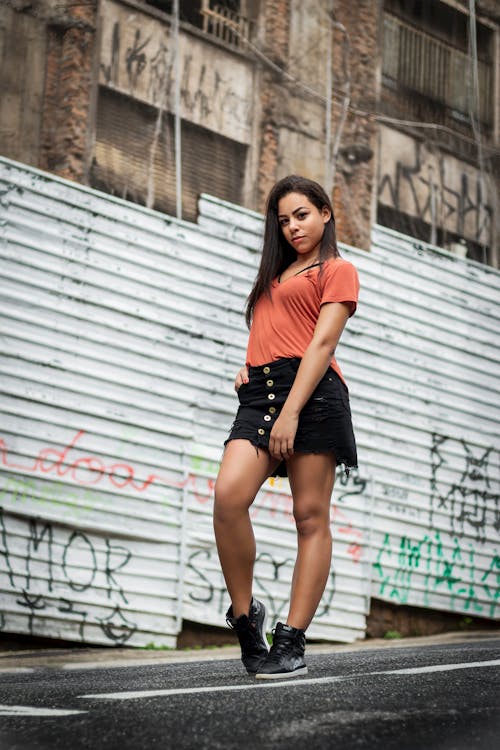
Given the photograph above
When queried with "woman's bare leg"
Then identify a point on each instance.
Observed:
(241, 474)
(311, 477)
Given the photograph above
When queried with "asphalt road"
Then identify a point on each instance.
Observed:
(439, 697)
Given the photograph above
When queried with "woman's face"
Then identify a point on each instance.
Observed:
(302, 223)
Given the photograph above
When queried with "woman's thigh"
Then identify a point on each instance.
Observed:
(311, 476)
(242, 472)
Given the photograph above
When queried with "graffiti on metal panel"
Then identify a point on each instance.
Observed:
(60, 561)
(272, 579)
(273, 571)
(279, 505)
(463, 488)
(447, 566)
(88, 471)
(84, 470)
(45, 563)
(451, 560)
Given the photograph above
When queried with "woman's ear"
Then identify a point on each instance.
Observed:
(326, 214)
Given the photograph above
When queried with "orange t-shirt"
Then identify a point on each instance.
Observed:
(283, 326)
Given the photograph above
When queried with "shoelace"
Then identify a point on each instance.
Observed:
(281, 647)
(247, 635)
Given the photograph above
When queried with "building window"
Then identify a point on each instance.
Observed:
(425, 53)
(225, 19)
(133, 161)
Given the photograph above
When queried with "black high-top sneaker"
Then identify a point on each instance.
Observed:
(251, 632)
(286, 657)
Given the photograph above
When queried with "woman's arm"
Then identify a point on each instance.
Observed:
(317, 357)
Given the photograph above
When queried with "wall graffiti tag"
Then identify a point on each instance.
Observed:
(52, 562)
(136, 58)
(470, 502)
(436, 188)
(272, 578)
(447, 568)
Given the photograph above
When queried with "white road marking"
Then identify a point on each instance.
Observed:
(134, 694)
(443, 667)
(33, 711)
(16, 670)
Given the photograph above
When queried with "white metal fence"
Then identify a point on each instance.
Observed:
(122, 329)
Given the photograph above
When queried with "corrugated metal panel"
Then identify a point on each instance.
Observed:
(104, 336)
(91, 429)
(429, 332)
(341, 613)
(122, 331)
(421, 359)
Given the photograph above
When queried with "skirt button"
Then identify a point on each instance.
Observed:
(261, 431)
(271, 396)
(269, 383)
(266, 370)
(267, 418)
(272, 410)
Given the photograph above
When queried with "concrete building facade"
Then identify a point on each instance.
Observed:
(393, 105)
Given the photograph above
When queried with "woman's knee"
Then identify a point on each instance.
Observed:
(311, 521)
(229, 501)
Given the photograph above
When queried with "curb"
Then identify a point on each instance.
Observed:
(112, 658)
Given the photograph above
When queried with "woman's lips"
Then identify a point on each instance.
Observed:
(297, 239)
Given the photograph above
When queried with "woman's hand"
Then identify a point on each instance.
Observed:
(241, 377)
(282, 436)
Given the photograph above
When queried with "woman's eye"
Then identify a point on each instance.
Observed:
(302, 216)
(283, 222)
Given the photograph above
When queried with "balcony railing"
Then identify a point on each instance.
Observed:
(225, 24)
(417, 61)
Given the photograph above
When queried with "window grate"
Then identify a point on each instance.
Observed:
(421, 63)
(225, 24)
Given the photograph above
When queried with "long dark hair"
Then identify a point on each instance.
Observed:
(277, 254)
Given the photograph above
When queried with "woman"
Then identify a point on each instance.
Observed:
(293, 419)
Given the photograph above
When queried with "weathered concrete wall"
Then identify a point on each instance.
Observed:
(435, 187)
(22, 76)
(48, 84)
(137, 58)
(268, 97)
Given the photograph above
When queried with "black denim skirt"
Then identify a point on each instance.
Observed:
(325, 422)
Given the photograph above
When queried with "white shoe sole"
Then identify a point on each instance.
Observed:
(281, 675)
